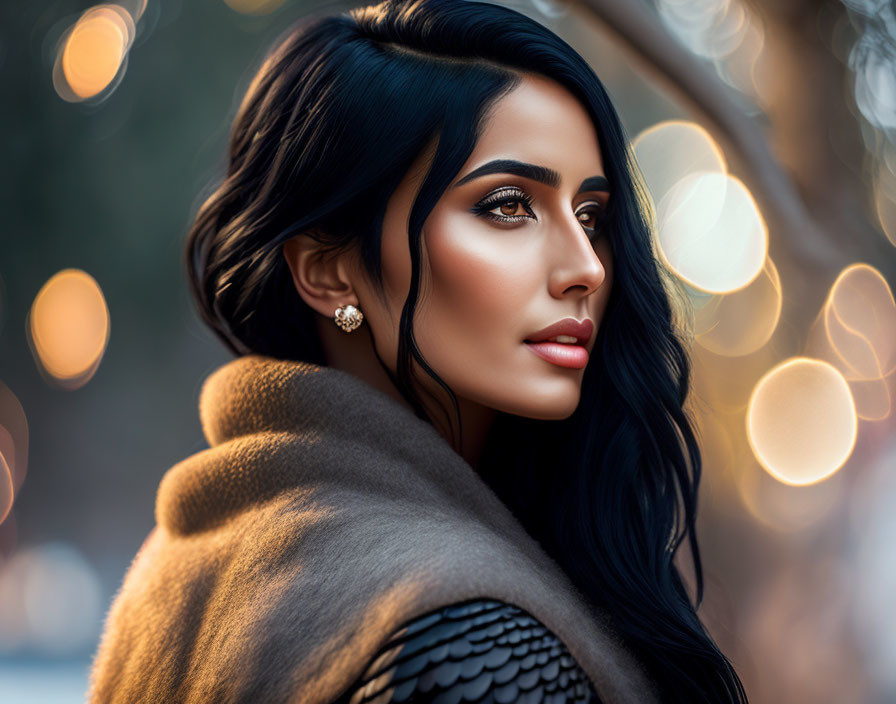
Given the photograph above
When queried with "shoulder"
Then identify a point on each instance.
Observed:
(476, 650)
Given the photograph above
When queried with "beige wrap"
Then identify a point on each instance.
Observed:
(323, 517)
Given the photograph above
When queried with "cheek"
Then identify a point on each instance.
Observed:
(480, 275)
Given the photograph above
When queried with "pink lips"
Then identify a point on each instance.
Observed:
(560, 353)
(563, 354)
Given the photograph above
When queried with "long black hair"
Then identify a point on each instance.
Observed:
(329, 126)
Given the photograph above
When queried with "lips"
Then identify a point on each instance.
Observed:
(572, 355)
(568, 326)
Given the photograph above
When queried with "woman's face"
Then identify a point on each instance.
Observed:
(505, 255)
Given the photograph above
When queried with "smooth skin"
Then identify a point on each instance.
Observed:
(486, 286)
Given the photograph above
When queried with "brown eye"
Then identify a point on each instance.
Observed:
(592, 217)
(509, 208)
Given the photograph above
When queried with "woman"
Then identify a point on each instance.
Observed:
(451, 461)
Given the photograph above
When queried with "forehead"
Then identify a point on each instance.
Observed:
(540, 122)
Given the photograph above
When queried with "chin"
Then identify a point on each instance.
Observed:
(556, 406)
(540, 399)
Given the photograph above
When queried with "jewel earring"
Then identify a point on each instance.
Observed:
(348, 317)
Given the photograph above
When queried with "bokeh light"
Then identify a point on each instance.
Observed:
(801, 421)
(93, 52)
(708, 228)
(855, 331)
(733, 475)
(861, 321)
(711, 233)
(69, 327)
(739, 323)
(669, 151)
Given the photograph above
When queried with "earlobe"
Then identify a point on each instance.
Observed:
(322, 279)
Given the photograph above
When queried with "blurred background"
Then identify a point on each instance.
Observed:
(766, 134)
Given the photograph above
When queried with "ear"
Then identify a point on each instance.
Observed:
(322, 279)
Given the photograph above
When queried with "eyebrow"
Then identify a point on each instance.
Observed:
(542, 174)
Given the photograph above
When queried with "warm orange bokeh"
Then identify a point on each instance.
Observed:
(69, 325)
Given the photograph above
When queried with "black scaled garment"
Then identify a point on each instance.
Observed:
(480, 650)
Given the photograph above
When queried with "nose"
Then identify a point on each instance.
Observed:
(575, 266)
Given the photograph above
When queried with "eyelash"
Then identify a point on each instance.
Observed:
(507, 196)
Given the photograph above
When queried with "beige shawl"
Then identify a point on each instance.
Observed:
(323, 516)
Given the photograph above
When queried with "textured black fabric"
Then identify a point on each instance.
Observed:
(480, 650)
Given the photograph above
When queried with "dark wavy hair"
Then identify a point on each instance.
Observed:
(329, 126)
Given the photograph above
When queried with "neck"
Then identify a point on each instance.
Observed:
(354, 353)
(477, 420)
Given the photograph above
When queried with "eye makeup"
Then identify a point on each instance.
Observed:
(501, 197)
(511, 195)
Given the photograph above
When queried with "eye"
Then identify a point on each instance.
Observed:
(507, 202)
(592, 217)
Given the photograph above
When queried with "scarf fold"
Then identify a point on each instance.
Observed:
(323, 516)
